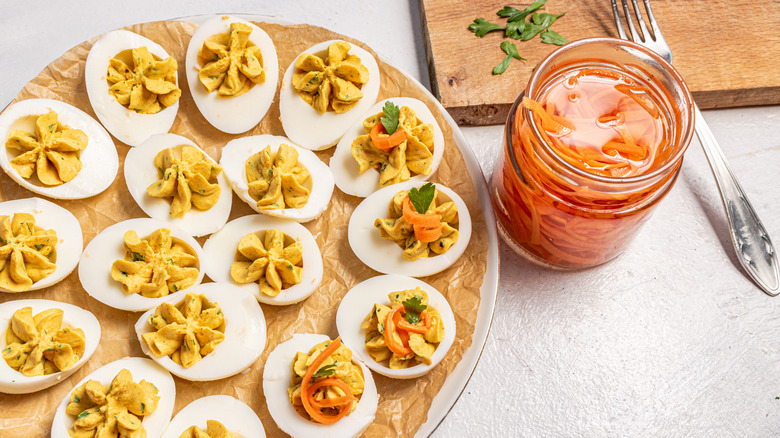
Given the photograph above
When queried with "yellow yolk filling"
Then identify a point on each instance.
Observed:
(232, 65)
(142, 83)
(214, 429)
(156, 265)
(52, 153)
(278, 180)
(27, 253)
(186, 332)
(397, 229)
(333, 83)
(113, 411)
(39, 345)
(410, 158)
(271, 258)
(188, 177)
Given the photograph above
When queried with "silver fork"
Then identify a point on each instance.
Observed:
(751, 241)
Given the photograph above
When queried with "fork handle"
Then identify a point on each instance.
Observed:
(751, 241)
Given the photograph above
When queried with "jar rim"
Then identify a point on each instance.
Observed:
(686, 107)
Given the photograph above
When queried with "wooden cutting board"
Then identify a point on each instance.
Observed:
(728, 51)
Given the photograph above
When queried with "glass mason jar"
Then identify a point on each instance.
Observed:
(558, 212)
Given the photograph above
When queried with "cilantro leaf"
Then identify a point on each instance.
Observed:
(511, 50)
(413, 308)
(325, 371)
(390, 119)
(514, 29)
(530, 31)
(545, 20)
(535, 5)
(502, 66)
(553, 37)
(507, 11)
(422, 198)
(481, 27)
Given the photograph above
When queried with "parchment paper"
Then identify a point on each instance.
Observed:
(403, 404)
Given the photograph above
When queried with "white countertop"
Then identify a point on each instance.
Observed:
(670, 339)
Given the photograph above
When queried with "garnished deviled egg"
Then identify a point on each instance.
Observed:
(276, 177)
(37, 131)
(101, 255)
(360, 301)
(304, 124)
(132, 86)
(65, 319)
(134, 389)
(214, 331)
(384, 255)
(292, 248)
(232, 72)
(200, 198)
(232, 414)
(417, 158)
(49, 223)
(278, 378)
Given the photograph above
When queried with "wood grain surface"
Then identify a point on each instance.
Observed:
(727, 51)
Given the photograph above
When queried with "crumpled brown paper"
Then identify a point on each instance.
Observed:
(403, 404)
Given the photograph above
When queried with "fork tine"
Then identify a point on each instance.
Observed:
(634, 35)
(641, 21)
(653, 23)
(618, 21)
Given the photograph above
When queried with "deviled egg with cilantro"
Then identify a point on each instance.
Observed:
(174, 180)
(276, 177)
(232, 73)
(323, 92)
(398, 326)
(132, 86)
(56, 150)
(395, 141)
(410, 229)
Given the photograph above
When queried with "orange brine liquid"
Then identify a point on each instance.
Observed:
(565, 192)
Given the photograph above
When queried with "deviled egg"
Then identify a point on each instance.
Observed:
(76, 331)
(232, 72)
(417, 162)
(138, 391)
(214, 331)
(174, 180)
(277, 178)
(175, 263)
(362, 299)
(327, 73)
(279, 378)
(365, 234)
(260, 254)
(230, 413)
(42, 254)
(56, 150)
(132, 85)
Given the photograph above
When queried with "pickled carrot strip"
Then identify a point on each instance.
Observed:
(331, 403)
(307, 396)
(428, 220)
(400, 350)
(414, 327)
(386, 142)
(548, 123)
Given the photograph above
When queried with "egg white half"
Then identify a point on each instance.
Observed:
(108, 246)
(140, 173)
(238, 151)
(14, 382)
(345, 168)
(128, 126)
(244, 334)
(361, 299)
(50, 216)
(384, 255)
(315, 131)
(99, 161)
(141, 369)
(220, 250)
(276, 379)
(236, 416)
(238, 114)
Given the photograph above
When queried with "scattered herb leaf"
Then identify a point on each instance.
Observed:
(325, 371)
(481, 27)
(550, 36)
(422, 198)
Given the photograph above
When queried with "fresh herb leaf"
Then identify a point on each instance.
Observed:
(545, 20)
(390, 119)
(535, 6)
(422, 198)
(83, 414)
(508, 11)
(530, 30)
(39, 247)
(413, 307)
(325, 371)
(515, 29)
(502, 66)
(481, 27)
(511, 50)
(552, 37)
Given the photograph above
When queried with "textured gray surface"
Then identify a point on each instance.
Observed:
(670, 339)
